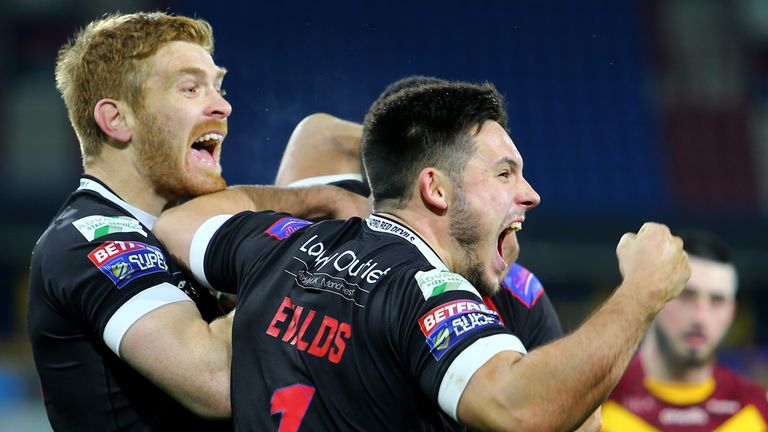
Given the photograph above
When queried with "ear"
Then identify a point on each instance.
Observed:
(432, 186)
(110, 116)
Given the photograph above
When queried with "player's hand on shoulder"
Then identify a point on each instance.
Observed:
(654, 260)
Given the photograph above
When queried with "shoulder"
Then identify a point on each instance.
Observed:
(748, 390)
(82, 221)
(522, 285)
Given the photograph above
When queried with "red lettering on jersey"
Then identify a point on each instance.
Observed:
(280, 316)
(344, 333)
(330, 338)
(300, 342)
(111, 248)
(293, 325)
(318, 350)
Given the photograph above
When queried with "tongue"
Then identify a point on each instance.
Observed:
(202, 156)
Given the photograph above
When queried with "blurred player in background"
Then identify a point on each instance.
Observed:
(675, 382)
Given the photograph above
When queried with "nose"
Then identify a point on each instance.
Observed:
(528, 197)
(219, 107)
(701, 310)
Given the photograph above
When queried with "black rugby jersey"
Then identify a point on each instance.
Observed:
(344, 325)
(95, 271)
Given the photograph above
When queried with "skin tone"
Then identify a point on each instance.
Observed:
(681, 344)
(468, 240)
(182, 102)
(320, 145)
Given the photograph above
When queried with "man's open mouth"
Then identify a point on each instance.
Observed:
(204, 148)
(513, 227)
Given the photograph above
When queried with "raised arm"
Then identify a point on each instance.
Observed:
(321, 145)
(559, 385)
(177, 226)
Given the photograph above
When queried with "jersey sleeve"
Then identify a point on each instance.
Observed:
(526, 309)
(543, 324)
(444, 333)
(225, 247)
(108, 281)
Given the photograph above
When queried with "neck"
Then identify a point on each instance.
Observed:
(430, 227)
(656, 367)
(121, 174)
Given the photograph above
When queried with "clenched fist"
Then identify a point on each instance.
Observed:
(653, 261)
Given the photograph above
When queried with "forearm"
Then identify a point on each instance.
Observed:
(177, 226)
(185, 356)
(559, 385)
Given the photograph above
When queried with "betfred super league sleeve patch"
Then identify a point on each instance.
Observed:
(449, 323)
(523, 285)
(435, 282)
(124, 261)
(283, 228)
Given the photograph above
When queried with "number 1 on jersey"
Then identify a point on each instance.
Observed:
(292, 402)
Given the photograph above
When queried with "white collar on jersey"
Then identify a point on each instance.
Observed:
(386, 225)
(145, 218)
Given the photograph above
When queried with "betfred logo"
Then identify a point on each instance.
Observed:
(283, 228)
(448, 324)
(448, 310)
(124, 261)
(111, 249)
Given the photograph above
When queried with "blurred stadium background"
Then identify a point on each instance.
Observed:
(625, 111)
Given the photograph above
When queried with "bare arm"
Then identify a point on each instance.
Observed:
(183, 355)
(594, 423)
(558, 386)
(177, 226)
(320, 145)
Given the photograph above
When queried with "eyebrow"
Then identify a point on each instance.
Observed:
(200, 72)
(506, 160)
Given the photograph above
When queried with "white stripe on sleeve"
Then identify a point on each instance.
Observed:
(467, 363)
(200, 245)
(139, 305)
(322, 180)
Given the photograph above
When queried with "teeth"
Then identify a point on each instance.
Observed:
(210, 137)
(515, 226)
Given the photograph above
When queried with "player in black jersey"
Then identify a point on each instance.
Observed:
(522, 303)
(324, 149)
(378, 324)
(114, 325)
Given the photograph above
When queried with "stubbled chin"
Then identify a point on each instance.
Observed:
(209, 184)
(204, 180)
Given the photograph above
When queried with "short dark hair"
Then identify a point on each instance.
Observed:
(421, 126)
(408, 82)
(703, 244)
